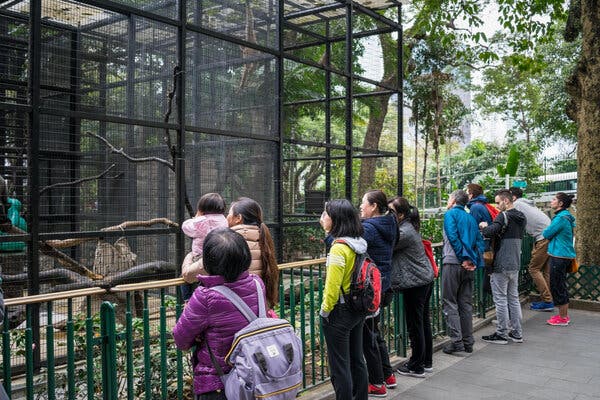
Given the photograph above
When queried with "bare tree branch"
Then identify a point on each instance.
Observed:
(48, 250)
(78, 181)
(62, 244)
(120, 151)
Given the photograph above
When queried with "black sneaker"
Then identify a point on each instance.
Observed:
(495, 338)
(452, 347)
(468, 348)
(428, 368)
(404, 370)
(515, 338)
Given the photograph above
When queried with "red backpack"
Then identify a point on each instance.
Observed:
(492, 210)
(364, 295)
(429, 254)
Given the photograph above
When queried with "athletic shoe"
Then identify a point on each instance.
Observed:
(515, 338)
(557, 320)
(404, 370)
(542, 306)
(428, 368)
(452, 347)
(390, 381)
(377, 390)
(495, 339)
(468, 348)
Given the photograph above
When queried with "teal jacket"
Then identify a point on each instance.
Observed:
(560, 235)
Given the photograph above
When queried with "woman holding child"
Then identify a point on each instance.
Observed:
(246, 218)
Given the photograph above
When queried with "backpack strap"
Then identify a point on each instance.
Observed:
(241, 304)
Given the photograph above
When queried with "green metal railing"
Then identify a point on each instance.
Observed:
(112, 354)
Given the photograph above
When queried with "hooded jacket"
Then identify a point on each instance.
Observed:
(537, 221)
(210, 318)
(339, 266)
(560, 235)
(462, 240)
(380, 233)
(507, 252)
(410, 265)
(198, 228)
(478, 210)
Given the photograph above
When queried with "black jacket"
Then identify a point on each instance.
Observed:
(509, 237)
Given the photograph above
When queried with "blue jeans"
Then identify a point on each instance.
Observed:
(343, 331)
(505, 290)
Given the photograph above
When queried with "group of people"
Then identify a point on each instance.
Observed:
(388, 230)
(236, 249)
(467, 223)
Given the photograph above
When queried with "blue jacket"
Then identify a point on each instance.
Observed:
(462, 240)
(560, 235)
(478, 210)
(381, 233)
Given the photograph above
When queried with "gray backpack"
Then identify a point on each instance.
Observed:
(265, 356)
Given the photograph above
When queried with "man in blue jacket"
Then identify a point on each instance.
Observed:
(462, 253)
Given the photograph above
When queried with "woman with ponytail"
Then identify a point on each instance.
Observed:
(412, 274)
(561, 251)
(246, 218)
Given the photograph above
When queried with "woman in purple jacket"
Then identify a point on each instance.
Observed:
(209, 319)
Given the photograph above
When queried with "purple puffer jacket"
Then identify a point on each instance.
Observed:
(210, 317)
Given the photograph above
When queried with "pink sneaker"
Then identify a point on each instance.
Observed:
(557, 320)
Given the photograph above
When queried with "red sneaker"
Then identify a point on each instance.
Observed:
(557, 320)
(377, 391)
(390, 381)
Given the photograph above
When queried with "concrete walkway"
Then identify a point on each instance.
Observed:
(554, 362)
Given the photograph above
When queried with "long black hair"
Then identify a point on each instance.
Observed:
(345, 220)
(252, 214)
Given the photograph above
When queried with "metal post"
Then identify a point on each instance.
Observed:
(327, 112)
(180, 150)
(280, 122)
(33, 172)
(349, 108)
(109, 351)
(400, 85)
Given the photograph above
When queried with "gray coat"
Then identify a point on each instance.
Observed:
(410, 265)
(537, 221)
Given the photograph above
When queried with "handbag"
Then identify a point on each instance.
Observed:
(573, 267)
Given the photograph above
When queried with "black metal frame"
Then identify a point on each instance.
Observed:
(34, 109)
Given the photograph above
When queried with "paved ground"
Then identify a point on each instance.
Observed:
(561, 363)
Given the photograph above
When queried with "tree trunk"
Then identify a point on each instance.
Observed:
(424, 177)
(584, 88)
(377, 114)
(416, 157)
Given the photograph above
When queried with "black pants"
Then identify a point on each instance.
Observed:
(415, 300)
(428, 362)
(211, 396)
(374, 347)
(558, 280)
(343, 333)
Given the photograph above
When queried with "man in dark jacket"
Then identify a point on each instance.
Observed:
(507, 228)
(463, 246)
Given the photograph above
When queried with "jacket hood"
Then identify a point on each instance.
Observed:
(358, 244)
(516, 216)
(386, 225)
(525, 201)
(566, 214)
(481, 198)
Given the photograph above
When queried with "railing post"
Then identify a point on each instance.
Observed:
(109, 351)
